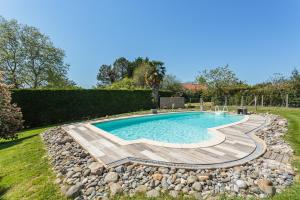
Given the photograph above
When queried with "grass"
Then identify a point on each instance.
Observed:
(293, 137)
(26, 174)
(24, 169)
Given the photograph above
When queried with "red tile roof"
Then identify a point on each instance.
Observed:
(193, 86)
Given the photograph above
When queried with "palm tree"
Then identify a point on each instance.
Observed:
(154, 75)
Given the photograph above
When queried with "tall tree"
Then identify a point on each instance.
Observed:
(121, 67)
(41, 58)
(28, 57)
(12, 56)
(218, 79)
(154, 75)
(106, 75)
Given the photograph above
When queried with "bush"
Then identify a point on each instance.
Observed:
(10, 114)
(124, 84)
(44, 107)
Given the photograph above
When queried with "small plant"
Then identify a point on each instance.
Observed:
(10, 115)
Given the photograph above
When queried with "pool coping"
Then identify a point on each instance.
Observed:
(240, 146)
(218, 136)
(260, 149)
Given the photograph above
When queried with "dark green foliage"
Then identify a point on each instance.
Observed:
(44, 107)
(107, 75)
(120, 69)
(121, 66)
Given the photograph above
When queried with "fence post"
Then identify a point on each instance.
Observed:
(201, 104)
(262, 100)
(242, 101)
(287, 100)
(255, 102)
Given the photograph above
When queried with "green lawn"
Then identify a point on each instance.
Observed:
(293, 137)
(25, 171)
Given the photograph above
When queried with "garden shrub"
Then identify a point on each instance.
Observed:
(44, 107)
(10, 114)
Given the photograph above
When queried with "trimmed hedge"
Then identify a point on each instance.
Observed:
(45, 107)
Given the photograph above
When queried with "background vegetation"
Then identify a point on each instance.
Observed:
(223, 84)
(44, 107)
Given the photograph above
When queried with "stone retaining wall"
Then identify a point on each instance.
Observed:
(81, 177)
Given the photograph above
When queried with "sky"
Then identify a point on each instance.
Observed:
(256, 38)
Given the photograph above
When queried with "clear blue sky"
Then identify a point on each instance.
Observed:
(256, 37)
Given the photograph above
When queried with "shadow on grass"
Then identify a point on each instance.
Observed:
(8, 143)
(3, 190)
(11, 142)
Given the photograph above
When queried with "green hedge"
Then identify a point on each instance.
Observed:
(45, 107)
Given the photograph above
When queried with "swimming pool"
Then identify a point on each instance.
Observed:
(176, 128)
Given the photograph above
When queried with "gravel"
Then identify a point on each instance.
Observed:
(81, 177)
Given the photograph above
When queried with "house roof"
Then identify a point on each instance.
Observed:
(193, 86)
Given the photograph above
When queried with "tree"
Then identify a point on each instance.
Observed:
(10, 115)
(121, 67)
(140, 66)
(218, 79)
(106, 75)
(134, 65)
(12, 56)
(280, 83)
(295, 75)
(201, 79)
(58, 80)
(41, 58)
(139, 74)
(154, 75)
(295, 81)
(277, 79)
(28, 57)
(171, 83)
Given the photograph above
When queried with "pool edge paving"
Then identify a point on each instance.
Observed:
(217, 137)
(240, 146)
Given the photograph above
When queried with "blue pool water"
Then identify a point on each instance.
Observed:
(180, 128)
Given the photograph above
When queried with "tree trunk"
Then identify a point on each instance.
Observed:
(15, 81)
(35, 83)
(155, 95)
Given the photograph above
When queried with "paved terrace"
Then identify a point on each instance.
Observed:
(240, 146)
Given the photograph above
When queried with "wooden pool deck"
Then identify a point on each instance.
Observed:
(240, 146)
